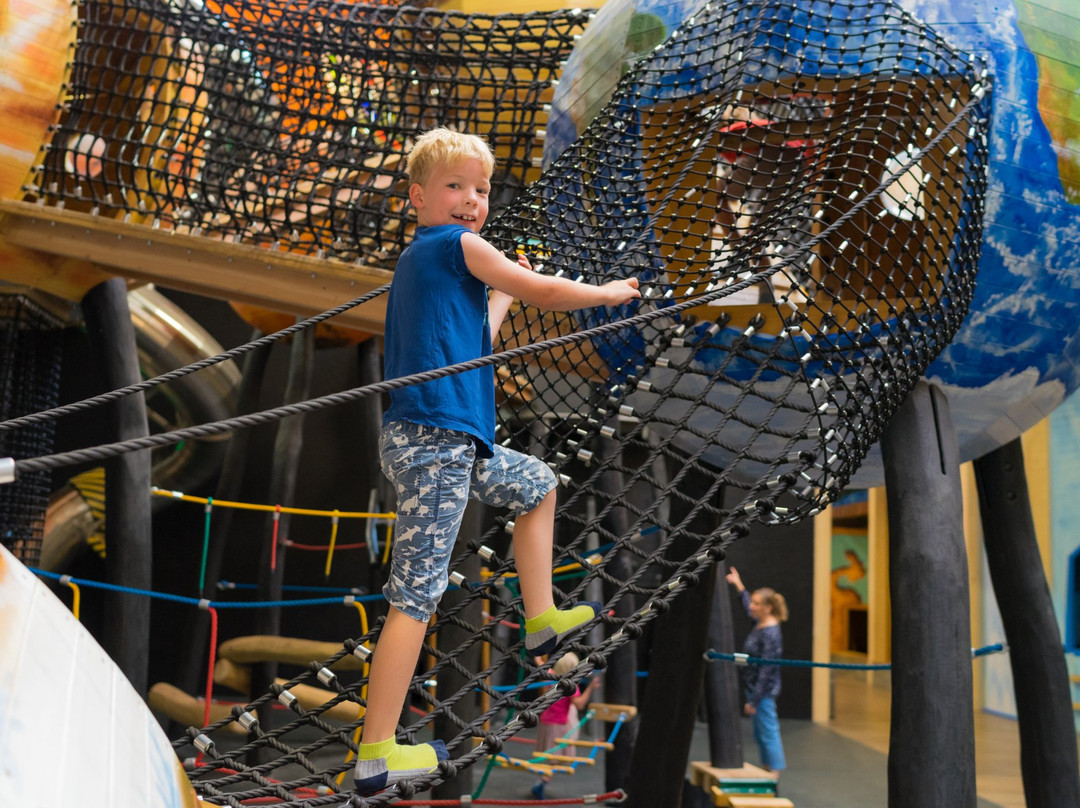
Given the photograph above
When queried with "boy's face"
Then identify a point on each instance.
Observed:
(453, 194)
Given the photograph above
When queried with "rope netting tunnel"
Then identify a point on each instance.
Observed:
(798, 186)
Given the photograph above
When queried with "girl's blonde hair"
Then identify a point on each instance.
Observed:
(775, 601)
(445, 147)
(565, 664)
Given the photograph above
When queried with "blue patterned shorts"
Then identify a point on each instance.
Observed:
(435, 472)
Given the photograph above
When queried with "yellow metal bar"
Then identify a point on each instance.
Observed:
(249, 506)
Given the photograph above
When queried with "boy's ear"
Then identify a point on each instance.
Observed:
(416, 195)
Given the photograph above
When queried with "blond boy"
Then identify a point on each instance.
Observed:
(438, 440)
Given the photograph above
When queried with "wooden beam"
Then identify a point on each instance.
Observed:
(297, 284)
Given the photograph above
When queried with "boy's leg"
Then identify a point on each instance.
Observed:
(534, 534)
(380, 760)
(430, 469)
(514, 480)
(391, 673)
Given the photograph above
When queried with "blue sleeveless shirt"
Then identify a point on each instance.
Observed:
(437, 315)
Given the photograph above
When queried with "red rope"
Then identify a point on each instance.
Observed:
(617, 795)
(210, 669)
(273, 546)
(323, 547)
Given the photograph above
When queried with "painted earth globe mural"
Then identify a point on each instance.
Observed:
(1014, 359)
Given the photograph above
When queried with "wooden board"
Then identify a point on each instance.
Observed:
(72, 729)
(723, 800)
(283, 281)
(704, 775)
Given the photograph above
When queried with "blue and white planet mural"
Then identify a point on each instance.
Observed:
(1015, 358)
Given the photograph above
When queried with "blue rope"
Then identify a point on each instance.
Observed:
(743, 659)
(348, 595)
(216, 604)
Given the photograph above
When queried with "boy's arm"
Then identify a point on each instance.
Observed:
(499, 302)
(544, 291)
(498, 306)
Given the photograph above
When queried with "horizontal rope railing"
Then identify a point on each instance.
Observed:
(743, 659)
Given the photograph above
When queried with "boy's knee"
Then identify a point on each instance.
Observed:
(541, 499)
(416, 601)
(547, 484)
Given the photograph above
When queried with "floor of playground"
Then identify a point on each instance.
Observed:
(842, 764)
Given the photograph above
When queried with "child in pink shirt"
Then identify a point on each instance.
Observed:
(561, 718)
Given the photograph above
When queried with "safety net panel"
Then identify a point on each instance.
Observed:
(285, 124)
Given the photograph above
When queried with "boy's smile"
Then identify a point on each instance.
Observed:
(453, 194)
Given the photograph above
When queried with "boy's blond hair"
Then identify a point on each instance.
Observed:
(444, 146)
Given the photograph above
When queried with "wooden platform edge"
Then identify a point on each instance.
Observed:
(612, 712)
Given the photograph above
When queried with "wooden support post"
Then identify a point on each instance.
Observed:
(932, 739)
(1040, 677)
(287, 445)
(128, 559)
(722, 700)
(192, 667)
(676, 673)
(619, 681)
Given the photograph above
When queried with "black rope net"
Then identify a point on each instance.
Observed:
(30, 351)
(798, 186)
(284, 124)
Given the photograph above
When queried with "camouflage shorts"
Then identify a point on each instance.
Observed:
(435, 472)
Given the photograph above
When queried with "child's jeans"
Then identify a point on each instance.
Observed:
(435, 472)
(767, 734)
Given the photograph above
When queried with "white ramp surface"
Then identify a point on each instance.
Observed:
(72, 729)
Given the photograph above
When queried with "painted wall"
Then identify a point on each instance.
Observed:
(849, 590)
(1064, 510)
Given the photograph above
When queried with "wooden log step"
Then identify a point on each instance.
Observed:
(186, 709)
(535, 768)
(612, 712)
(566, 758)
(238, 678)
(291, 650)
(746, 778)
(578, 742)
(233, 676)
(722, 799)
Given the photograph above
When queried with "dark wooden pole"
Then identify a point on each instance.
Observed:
(620, 678)
(676, 672)
(1040, 677)
(191, 671)
(932, 738)
(284, 469)
(128, 559)
(722, 683)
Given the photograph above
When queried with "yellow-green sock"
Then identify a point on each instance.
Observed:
(421, 756)
(544, 632)
(561, 622)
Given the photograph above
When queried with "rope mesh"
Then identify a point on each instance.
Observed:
(799, 188)
(30, 351)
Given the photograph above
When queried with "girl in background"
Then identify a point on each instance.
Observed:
(560, 720)
(768, 609)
